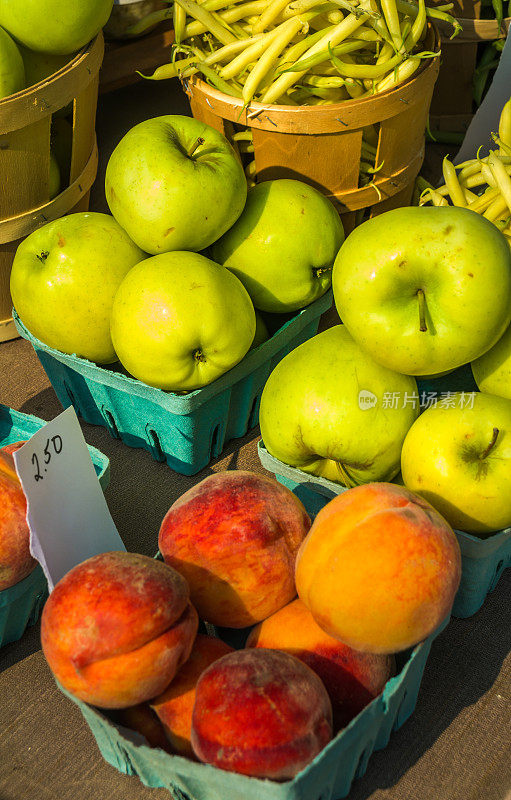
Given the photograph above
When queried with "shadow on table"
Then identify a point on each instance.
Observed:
(463, 665)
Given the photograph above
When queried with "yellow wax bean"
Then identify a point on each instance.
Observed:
(298, 7)
(401, 74)
(249, 55)
(288, 31)
(338, 34)
(417, 27)
(250, 169)
(496, 209)
(505, 125)
(471, 168)
(325, 82)
(470, 197)
(452, 183)
(392, 19)
(207, 19)
(484, 200)
(179, 22)
(272, 11)
(195, 28)
(502, 178)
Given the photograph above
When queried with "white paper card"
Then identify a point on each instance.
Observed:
(486, 119)
(67, 513)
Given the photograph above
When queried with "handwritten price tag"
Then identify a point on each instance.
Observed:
(67, 513)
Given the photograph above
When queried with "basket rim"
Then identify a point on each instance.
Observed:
(255, 108)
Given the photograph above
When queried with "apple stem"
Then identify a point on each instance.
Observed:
(199, 355)
(43, 256)
(318, 271)
(491, 445)
(195, 145)
(422, 310)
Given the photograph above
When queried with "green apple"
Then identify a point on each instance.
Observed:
(39, 66)
(283, 245)
(175, 183)
(329, 409)
(458, 457)
(12, 71)
(492, 371)
(179, 321)
(58, 27)
(64, 278)
(424, 290)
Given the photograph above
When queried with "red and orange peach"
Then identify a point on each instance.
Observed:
(117, 627)
(16, 562)
(260, 712)
(379, 569)
(235, 536)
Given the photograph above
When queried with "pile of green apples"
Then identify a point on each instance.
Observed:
(37, 39)
(190, 270)
(422, 293)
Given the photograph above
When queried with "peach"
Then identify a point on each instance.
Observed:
(142, 719)
(235, 536)
(379, 569)
(262, 713)
(16, 563)
(352, 679)
(117, 627)
(175, 705)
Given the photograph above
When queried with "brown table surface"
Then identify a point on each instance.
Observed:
(457, 744)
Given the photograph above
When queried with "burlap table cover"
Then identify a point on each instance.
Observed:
(456, 746)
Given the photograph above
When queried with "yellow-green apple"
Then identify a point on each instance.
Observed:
(329, 409)
(179, 321)
(458, 457)
(492, 370)
(174, 183)
(12, 71)
(58, 27)
(39, 66)
(284, 245)
(424, 290)
(64, 278)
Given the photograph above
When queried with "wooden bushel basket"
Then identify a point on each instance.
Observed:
(321, 145)
(25, 121)
(452, 104)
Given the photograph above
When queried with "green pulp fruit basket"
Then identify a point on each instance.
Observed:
(21, 604)
(328, 777)
(185, 430)
(482, 560)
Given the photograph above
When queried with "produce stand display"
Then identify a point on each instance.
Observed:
(338, 620)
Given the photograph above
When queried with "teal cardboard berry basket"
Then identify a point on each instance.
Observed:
(328, 777)
(482, 560)
(185, 430)
(21, 604)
